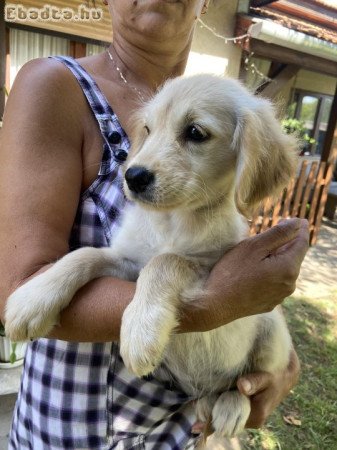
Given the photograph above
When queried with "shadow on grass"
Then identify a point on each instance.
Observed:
(314, 400)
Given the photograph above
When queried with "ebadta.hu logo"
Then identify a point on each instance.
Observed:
(21, 13)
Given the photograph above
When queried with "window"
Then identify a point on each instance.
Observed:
(27, 45)
(93, 49)
(313, 109)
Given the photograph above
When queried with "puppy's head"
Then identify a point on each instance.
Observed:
(202, 139)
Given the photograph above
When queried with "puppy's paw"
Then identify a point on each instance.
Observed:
(140, 355)
(144, 336)
(230, 414)
(204, 407)
(32, 310)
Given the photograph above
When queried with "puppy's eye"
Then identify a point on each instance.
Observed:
(195, 133)
(147, 129)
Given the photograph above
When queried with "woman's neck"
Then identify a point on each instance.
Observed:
(149, 69)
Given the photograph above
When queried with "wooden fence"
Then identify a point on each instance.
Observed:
(305, 197)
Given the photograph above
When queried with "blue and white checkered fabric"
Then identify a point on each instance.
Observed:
(80, 395)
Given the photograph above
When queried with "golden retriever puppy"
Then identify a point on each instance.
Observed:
(205, 151)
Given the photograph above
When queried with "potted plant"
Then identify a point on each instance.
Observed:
(11, 353)
(297, 127)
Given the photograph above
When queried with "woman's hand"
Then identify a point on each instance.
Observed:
(266, 391)
(252, 278)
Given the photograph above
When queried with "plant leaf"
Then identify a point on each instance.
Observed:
(291, 420)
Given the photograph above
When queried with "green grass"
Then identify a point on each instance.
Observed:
(313, 325)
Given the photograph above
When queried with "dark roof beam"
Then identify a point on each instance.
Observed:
(304, 12)
(2, 60)
(282, 76)
(260, 3)
(285, 55)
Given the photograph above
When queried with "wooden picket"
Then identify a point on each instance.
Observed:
(299, 187)
(304, 197)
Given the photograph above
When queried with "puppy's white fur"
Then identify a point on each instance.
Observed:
(172, 235)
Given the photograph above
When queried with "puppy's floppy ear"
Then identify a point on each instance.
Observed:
(138, 131)
(266, 156)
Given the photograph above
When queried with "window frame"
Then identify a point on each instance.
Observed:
(322, 98)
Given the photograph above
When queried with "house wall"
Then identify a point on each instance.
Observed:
(308, 81)
(304, 80)
(99, 29)
(210, 53)
(311, 81)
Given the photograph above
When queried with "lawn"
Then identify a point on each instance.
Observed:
(312, 405)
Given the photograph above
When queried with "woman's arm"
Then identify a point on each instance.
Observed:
(41, 171)
(41, 179)
(250, 279)
(253, 277)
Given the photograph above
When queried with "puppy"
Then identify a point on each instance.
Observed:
(205, 151)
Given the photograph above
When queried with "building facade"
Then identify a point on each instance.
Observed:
(33, 28)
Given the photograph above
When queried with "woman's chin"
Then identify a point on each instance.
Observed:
(162, 20)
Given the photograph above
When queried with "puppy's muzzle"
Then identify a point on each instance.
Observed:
(138, 179)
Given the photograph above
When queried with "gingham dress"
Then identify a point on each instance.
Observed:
(80, 395)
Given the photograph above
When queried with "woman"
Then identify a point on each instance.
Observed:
(60, 192)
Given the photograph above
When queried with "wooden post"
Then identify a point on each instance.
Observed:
(8, 61)
(328, 157)
(279, 81)
(324, 193)
(78, 49)
(2, 58)
(332, 124)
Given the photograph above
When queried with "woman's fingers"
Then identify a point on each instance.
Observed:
(266, 391)
(299, 245)
(253, 383)
(277, 236)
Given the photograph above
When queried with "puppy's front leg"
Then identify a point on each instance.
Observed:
(33, 309)
(150, 318)
(230, 414)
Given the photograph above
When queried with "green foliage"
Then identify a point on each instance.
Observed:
(309, 108)
(2, 330)
(295, 126)
(12, 357)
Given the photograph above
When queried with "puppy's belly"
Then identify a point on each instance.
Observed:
(204, 363)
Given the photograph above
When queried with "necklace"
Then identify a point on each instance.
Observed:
(122, 77)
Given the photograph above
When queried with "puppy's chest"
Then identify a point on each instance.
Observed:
(143, 235)
(211, 361)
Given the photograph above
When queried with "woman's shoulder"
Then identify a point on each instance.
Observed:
(43, 71)
(47, 80)
(47, 86)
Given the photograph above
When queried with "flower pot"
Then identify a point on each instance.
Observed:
(11, 352)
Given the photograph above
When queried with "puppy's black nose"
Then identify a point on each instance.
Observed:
(138, 178)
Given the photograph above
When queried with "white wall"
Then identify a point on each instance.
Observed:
(304, 79)
(315, 82)
(210, 53)
(308, 81)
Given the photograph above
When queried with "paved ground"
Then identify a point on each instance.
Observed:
(318, 278)
(6, 408)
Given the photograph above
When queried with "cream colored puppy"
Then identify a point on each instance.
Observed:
(205, 151)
